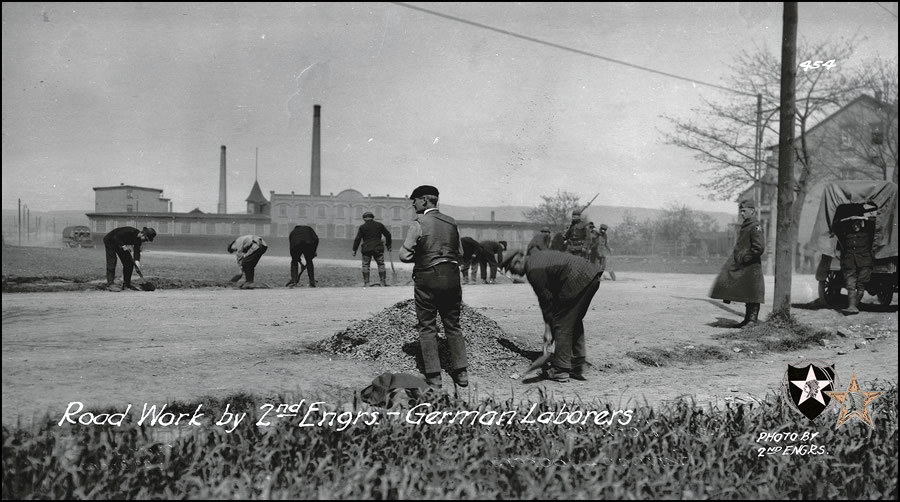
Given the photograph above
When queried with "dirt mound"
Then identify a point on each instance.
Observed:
(390, 338)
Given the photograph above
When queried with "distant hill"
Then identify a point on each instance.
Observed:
(611, 215)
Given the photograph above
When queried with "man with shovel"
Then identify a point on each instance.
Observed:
(370, 233)
(565, 284)
(116, 243)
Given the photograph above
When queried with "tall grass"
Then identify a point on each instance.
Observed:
(680, 450)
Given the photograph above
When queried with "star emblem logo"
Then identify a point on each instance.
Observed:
(854, 403)
(804, 385)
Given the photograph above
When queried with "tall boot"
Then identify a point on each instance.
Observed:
(383, 277)
(853, 298)
(751, 315)
(365, 278)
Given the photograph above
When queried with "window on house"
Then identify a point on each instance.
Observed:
(236, 229)
(186, 228)
(320, 211)
(398, 213)
(846, 138)
(211, 228)
(341, 212)
(282, 210)
(129, 208)
(876, 133)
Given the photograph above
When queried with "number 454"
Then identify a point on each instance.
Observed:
(812, 65)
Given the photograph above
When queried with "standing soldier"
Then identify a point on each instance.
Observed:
(602, 248)
(303, 242)
(855, 241)
(741, 278)
(370, 233)
(578, 236)
(432, 244)
(116, 243)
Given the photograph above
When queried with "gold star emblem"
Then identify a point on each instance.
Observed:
(854, 403)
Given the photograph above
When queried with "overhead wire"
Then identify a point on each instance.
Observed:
(570, 49)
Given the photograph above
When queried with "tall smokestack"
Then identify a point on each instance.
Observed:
(223, 208)
(315, 181)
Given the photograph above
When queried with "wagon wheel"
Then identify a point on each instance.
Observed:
(885, 294)
(830, 289)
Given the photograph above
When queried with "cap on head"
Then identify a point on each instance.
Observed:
(545, 230)
(747, 203)
(368, 214)
(603, 226)
(424, 190)
(149, 232)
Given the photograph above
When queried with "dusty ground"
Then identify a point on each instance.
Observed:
(112, 349)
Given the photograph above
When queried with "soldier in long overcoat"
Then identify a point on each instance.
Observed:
(741, 278)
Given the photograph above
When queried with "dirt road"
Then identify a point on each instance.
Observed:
(106, 349)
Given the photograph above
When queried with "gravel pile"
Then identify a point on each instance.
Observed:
(390, 338)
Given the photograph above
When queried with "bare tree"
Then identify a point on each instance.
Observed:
(863, 145)
(724, 134)
(555, 211)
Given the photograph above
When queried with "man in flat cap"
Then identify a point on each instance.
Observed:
(540, 241)
(433, 245)
(248, 249)
(564, 284)
(369, 234)
(578, 236)
(116, 243)
(741, 278)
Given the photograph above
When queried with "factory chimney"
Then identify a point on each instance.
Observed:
(315, 181)
(222, 208)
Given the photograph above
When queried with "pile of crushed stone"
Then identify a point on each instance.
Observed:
(391, 338)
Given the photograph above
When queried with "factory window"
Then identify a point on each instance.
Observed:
(301, 211)
(320, 211)
(128, 194)
(398, 213)
(211, 228)
(236, 229)
(341, 212)
(186, 228)
(282, 210)
(379, 215)
(101, 226)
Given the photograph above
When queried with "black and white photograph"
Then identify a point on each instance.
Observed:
(456, 250)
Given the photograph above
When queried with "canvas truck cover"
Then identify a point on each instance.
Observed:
(881, 193)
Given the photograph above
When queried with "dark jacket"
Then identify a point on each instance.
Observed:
(124, 236)
(492, 249)
(369, 234)
(471, 250)
(856, 249)
(557, 278)
(741, 278)
(303, 235)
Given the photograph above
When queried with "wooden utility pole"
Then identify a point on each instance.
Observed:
(784, 247)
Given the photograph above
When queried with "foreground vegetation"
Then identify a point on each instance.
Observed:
(677, 451)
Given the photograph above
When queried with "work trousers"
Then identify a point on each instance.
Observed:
(438, 290)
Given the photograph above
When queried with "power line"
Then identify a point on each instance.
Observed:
(570, 49)
(886, 9)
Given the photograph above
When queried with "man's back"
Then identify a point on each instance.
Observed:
(303, 234)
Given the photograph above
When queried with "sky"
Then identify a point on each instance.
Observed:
(499, 110)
